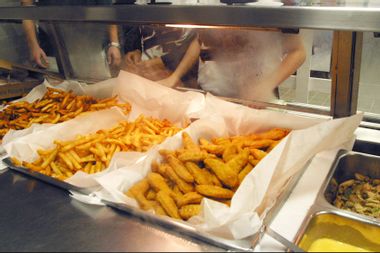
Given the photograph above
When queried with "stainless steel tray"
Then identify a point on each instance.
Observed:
(183, 228)
(345, 165)
(49, 180)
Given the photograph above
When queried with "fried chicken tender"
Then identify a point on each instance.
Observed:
(211, 148)
(168, 204)
(138, 191)
(182, 185)
(247, 169)
(257, 153)
(227, 175)
(190, 198)
(180, 169)
(214, 191)
(238, 162)
(188, 142)
(274, 134)
(157, 182)
(191, 156)
(200, 175)
(189, 211)
(230, 152)
(141, 187)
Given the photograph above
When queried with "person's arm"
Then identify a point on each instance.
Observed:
(187, 62)
(113, 51)
(295, 54)
(37, 54)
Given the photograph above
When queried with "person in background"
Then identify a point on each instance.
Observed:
(39, 46)
(167, 55)
(248, 64)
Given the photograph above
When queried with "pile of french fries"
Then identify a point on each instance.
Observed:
(54, 107)
(176, 186)
(92, 153)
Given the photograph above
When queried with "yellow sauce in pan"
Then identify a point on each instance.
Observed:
(329, 245)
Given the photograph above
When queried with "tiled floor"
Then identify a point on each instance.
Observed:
(366, 103)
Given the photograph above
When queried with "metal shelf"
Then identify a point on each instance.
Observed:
(313, 17)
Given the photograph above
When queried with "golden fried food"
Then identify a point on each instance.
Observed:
(248, 168)
(257, 153)
(200, 175)
(227, 175)
(54, 107)
(168, 204)
(190, 198)
(214, 191)
(180, 169)
(188, 143)
(182, 185)
(189, 211)
(157, 182)
(93, 153)
(238, 161)
(213, 169)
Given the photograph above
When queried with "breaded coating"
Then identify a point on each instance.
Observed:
(214, 191)
(190, 198)
(248, 168)
(168, 204)
(180, 169)
(227, 175)
(182, 185)
(238, 162)
(157, 182)
(201, 176)
(189, 211)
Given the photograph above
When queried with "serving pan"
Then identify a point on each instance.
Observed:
(50, 180)
(323, 214)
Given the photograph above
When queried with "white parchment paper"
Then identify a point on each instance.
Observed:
(242, 220)
(145, 98)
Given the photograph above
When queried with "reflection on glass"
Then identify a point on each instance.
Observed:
(248, 64)
(369, 85)
(167, 55)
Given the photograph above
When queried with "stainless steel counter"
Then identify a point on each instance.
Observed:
(35, 216)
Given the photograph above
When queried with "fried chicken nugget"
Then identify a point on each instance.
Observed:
(189, 211)
(190, 198)
(214, 191)
(168, 204)
(157, 182)
(200, 175)
(182, 185)
(238, 162)
(227, 175)
(180, 169)
(247, 169)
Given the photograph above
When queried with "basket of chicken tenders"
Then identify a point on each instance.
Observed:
(211, 178)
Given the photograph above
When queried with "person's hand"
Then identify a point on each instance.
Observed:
(171, 81)
(133, 57)
(114, 56)
(38, 56)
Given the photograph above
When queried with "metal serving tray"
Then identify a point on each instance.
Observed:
(49, 180)
(183, 228)
(344, 167)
